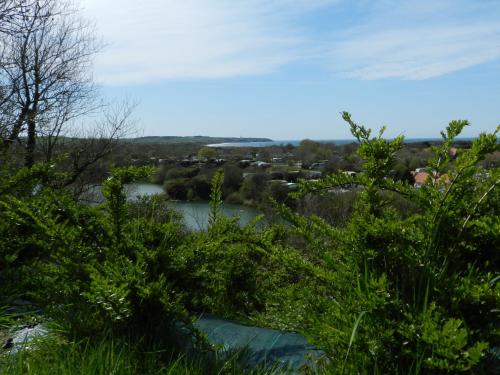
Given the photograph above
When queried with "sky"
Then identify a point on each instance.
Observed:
(285, 69)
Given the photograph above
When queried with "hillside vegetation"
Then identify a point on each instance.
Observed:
(383, 270)
(384, 294)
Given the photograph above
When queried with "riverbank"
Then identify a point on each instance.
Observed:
(195, 214)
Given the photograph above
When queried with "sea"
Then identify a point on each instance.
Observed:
(296, 142)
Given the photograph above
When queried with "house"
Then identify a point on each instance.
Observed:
(318, 165)
(261, 164)
(189, 161)
(422, 177)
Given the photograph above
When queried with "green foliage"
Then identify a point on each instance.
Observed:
(207, 153)
(443, 343)
(130, 268)
(154, 208)
(112, 356)
(188, 184)
(91, 269)
(254, 186)
(424, 282)
(216, 197)
(408, 284)
(177, 189)
(113, 190)
(233, 177)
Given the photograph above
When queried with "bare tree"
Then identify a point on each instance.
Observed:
(46, 74)
(9, 12)
(46, 89)
(90, 144)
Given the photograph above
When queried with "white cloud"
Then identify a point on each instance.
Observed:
(419, 40)
(151, 40)
(172, 39)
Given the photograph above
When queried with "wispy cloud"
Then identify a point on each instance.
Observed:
(418, 40)
(173, 39)
(151, 40)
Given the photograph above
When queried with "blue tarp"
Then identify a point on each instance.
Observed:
(260, 346)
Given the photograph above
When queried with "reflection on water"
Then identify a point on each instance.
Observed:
(195, 214)
(134, 190)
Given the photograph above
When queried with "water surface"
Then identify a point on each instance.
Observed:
(194, 214)
(296, 142)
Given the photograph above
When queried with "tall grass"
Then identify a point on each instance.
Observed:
(109, 357)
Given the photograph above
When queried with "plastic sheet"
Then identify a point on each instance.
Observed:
(260, 346)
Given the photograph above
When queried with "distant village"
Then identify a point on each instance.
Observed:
(284, 168)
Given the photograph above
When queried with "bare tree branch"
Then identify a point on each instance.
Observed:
(92, 143)
(46, 74)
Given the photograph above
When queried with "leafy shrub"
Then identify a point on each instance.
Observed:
(177, 189)
(130, 269)
(154, 208)
(402, 293)
(408, 284)
(254, 186)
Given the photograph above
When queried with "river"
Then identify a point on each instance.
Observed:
(194, 214)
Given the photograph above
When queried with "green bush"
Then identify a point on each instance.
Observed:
(177, 189)
(402, 293)
(156, 208)
(129, 269)
(407, 284)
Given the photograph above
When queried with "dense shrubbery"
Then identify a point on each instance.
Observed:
(123, 269)
(408, 285)
(193, 183)
(187, 183)
(412, 294)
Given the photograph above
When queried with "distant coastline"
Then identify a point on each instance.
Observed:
(199, 139)
(296, 142)
(228, 142)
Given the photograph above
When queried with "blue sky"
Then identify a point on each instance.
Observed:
(284, 69)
